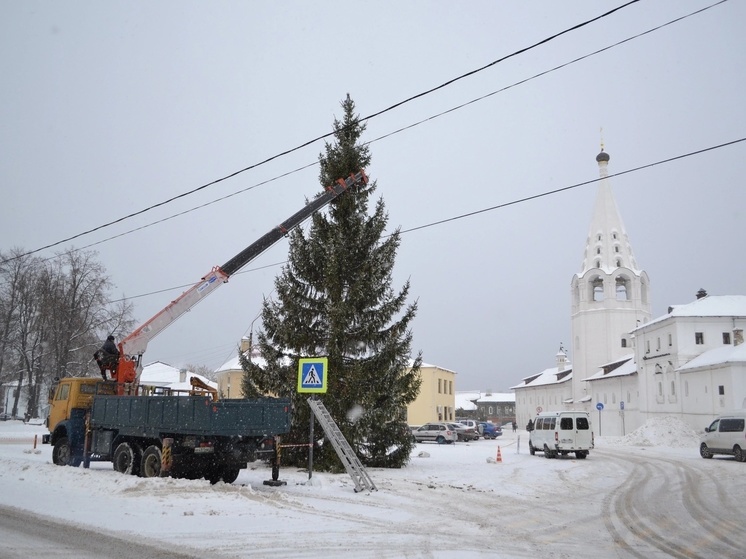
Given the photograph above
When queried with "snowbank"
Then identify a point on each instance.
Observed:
(665, 431)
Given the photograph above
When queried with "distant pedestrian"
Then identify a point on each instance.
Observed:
(515, 426)
(530, 425)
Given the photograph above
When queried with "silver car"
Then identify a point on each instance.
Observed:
(440, 433)
(464, 432)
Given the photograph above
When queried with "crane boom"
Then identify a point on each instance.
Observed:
(132, 348)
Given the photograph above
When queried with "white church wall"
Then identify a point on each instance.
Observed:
(621, 413)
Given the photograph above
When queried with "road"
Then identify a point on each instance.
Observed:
(25, 535)
(693, 512)
(624, 502)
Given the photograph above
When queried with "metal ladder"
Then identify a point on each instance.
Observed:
(344, 450)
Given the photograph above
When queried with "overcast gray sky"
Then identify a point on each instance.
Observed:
(107, 108)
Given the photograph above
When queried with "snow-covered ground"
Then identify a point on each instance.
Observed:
(648, 494)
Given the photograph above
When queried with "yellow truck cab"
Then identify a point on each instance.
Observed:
(69, 402)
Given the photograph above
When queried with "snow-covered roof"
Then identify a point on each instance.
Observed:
(497, 397)
(162, 374)
(234, 364)
(717, 356)
(424, 365)
(709, 306)
(546, 377)
(465, 400)
(619, 368)
(468, 399)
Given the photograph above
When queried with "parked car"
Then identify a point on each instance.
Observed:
(5, 416)
(490, 430)
(725, 435)
(465, 433)
(440, 433)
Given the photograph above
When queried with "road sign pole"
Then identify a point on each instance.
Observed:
(310, 442)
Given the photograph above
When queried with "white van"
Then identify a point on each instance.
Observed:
(561, 432)
(725, 435)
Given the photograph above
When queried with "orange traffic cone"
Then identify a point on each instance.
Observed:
(499, 455)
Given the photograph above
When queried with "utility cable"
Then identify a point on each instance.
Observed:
(500, 206)
(404, 128)
(309, 142)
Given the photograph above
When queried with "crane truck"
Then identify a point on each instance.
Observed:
(150, 433)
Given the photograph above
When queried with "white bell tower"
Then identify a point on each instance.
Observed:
(610, 295)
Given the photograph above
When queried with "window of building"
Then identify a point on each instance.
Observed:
(658, 343)
(721, 390)
(647, 346)
(660, 388)
(440, 389)
(686, 388)
(670, 340)
(598, 250)
(699, 338)
(616, 249)
(624, 342)
(490, 410)
(726, 338)
(673, 388)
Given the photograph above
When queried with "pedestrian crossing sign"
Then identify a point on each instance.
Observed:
(312, 374)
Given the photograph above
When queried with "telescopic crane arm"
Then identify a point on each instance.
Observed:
(132, 348)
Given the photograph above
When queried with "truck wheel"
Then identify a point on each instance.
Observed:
(62, 453)
(441, 439)
(226, 475)
(151, 462)
(230, 474)
(548, 453)
(127, 459)
(704, 452)
(581, 454)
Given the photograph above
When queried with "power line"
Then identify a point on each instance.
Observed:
(309, 142)
(506, 204)
(573, 186)
(404, 128)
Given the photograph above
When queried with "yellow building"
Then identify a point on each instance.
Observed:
(435, 402)
(230, 375)
(437, 398)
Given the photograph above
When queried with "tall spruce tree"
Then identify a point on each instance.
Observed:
(334, 298)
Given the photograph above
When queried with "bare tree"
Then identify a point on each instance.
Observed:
(56, 313)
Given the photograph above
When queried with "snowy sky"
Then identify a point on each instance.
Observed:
(110, 108)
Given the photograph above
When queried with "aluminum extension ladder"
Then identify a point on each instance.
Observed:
(349, 459)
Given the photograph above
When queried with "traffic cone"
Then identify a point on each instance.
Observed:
(499, 455)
